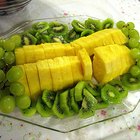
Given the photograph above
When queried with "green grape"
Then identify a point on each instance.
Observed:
(9, 45)
(7, 104)
(120, 24)
(133, 34)
(14, 74)
(4, 92)
(2, 64)
(23, 101)
(134, 71)
(130, 25)
(125, 31)
(133, 43)
(2, 42)
(2, 75)
(17, 40)
(1, 53)
(135, 53)
(17, 89)
(9, 57)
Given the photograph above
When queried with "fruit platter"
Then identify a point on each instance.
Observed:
(61, 73)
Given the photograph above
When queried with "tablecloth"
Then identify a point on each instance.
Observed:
(126, 127)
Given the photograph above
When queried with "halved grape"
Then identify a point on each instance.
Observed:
(17, 89)
(9, 57)
(120, 24)
(135, 71)
(2, 75)
(14, 74)
(7, 104)
(23, 101)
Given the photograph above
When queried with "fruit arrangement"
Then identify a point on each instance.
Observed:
(52, 69)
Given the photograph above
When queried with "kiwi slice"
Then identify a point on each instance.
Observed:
(88, 105)
(57, 28)
(93, 24)
(45, 38)
(78, 26)
(29, 112)
(92, 89)
(65, 103)
(73, 102)
(48, 97)
(107, 23)
(71, 36)
(56, 38)
(79, 90)
(56, 107)
(43, 109)
(87, 32)
(28, 39)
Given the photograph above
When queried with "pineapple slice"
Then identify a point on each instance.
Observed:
(106, 64)
(86, 64)
(56, 74)
(76, 68)
(23, 80)
(44, 75)
(77, 46)
(39, 53)
(59, 49)
(29, 53)
(69, 50)
(48, 50)
(20, 56)
(33, 80)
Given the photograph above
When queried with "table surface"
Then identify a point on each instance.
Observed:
(125, 127)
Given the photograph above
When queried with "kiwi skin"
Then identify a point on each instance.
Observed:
(88, 105)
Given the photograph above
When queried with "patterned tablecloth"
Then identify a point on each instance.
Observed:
(126, 127)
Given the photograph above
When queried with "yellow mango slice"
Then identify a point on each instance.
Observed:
(33, 80)
(45, 77)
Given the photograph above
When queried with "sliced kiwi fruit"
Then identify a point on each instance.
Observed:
(56, 38)
(79, 90)
(65, 103)
(43, 109)
(107, 23)
(71, 35)
(57, 28)
(78, 26)
(48, 98)
(56, 107)
(92, 89)
(28, 39)
(87, 32)
(93, 24)
(73, 103)
(29, 112)
(88, 105)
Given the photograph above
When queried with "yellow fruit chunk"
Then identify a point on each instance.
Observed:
(59, 49)
(48, 50)
(39, 54)
(69, 50)
(23, 80)
(107, 65)
(76, 68)
(33, 80)
(29, 53)
(44, 73)
(20, 56)
(86, 64)
(56, 74)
